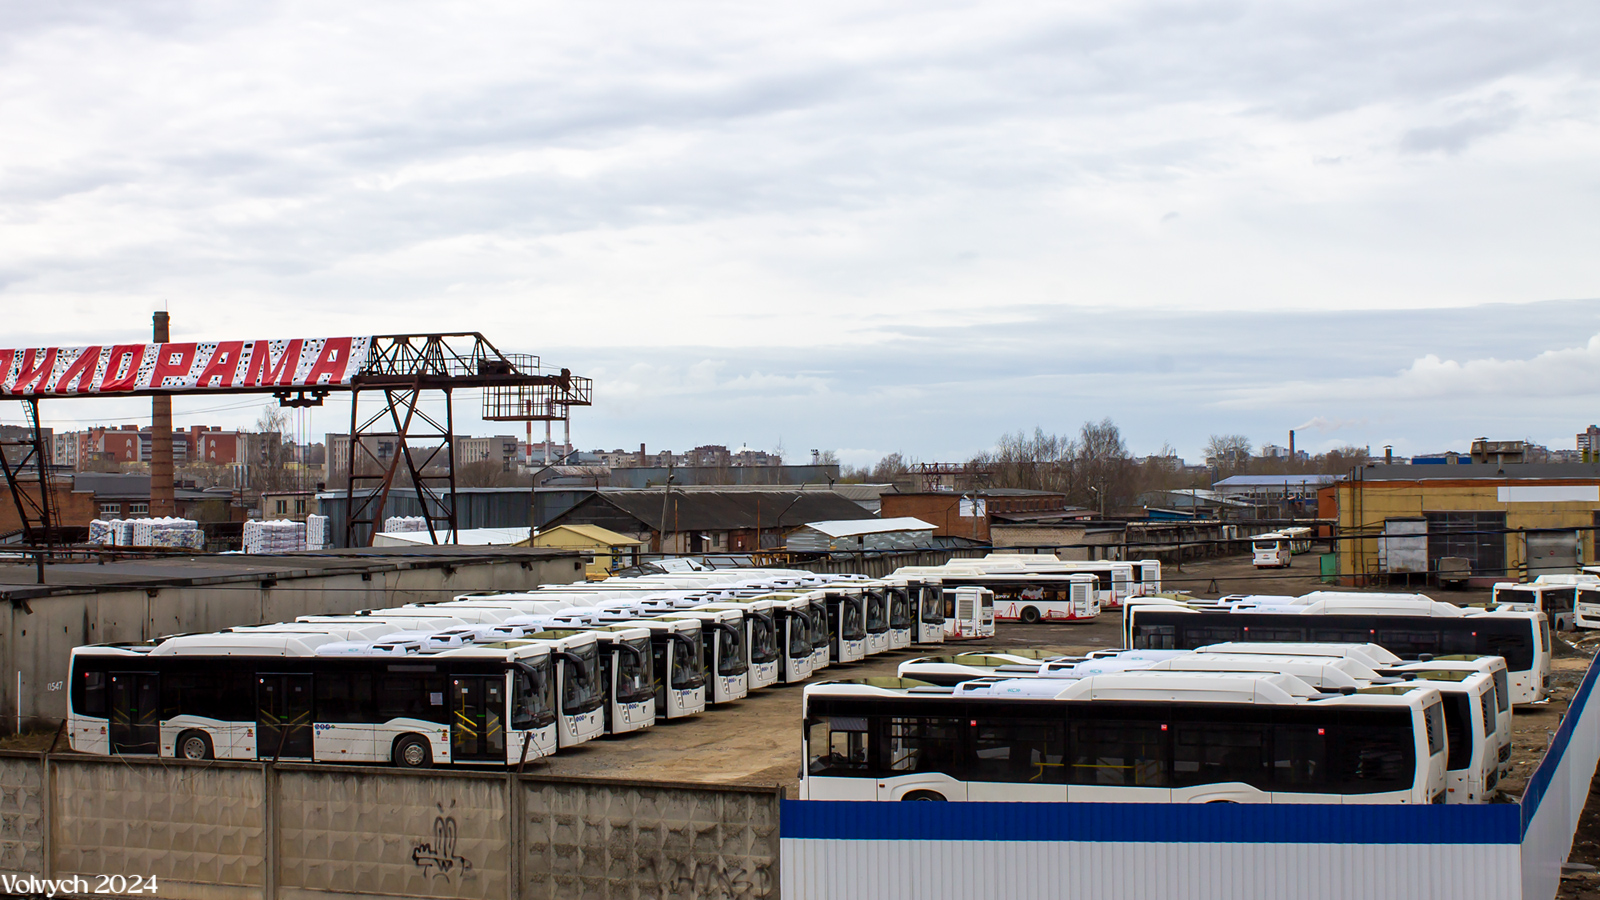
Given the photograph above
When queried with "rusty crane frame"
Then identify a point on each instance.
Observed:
(400, 437)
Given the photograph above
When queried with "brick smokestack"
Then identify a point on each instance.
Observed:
(162, 502)
(1291, 446)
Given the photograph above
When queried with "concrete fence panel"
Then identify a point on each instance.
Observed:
(22, 808)
(376, 831)
(605, 840)
(198, 829)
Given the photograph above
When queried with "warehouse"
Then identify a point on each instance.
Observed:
(1509, 522)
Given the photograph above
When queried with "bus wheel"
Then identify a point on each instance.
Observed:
(193, 745)
(412, 752)
(1030, 615)
(923, 795)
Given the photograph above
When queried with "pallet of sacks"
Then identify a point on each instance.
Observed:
(274, 536)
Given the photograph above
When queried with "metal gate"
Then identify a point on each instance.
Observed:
(1553, 552)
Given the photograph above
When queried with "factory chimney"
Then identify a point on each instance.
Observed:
(1291, 445)
(162, 502)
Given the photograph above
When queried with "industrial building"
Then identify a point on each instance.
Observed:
(1508, 522)
(708, 521)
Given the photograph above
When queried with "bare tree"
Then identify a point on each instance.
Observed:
(1103, 466)
(1230, 453)
(889, 468)
(270, 458)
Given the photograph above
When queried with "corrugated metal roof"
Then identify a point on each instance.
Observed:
(1275, 480)
(849, 527)
(593, 532)
(717, 510)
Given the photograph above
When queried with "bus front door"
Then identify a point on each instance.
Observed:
(477, 717)
(283, 716)
(135, 712)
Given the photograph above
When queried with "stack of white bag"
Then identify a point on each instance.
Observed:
(316, 532)
(163, 532)
(167, 532)
(405, 523)
(276, 536)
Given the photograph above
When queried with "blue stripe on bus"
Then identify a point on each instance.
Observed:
(1539, 783)
(1228, 823)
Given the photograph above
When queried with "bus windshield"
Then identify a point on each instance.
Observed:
(687, 669)
(730, 652)
(850, 626)
(877, 615)
(634, 684)
(819, 624)
(932, 606)
(899, 609)
(533, 700)
(799, 637)
(763, 642)
(581, 689)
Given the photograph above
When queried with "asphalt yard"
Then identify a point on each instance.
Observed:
(757, 740)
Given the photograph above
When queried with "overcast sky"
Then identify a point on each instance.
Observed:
(863, 226)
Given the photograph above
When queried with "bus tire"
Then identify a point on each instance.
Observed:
(412, 752)
(1029, 615)
(193, 745)
(924, 795)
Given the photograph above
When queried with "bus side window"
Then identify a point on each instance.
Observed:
(343, 696)
(1299, 758)
(838, 745)
(1212, 750)
(1377, 753)
(1019, 750)
(923, 744)
(1155, 637)
(1118, 746)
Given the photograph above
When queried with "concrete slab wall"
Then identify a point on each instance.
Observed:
(37, 633)
(227, 831)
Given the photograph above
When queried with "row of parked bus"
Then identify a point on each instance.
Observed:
(1327, 698)
(498, 679)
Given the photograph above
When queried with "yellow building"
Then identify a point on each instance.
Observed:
(1511, 522)
(611, 550)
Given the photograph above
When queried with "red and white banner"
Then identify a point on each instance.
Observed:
(74, 371)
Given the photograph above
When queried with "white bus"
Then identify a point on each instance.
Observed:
(677, 665)
(1492, 666)
(1472, 769)
(1137, 737)
(1031, 598)
(1522, 638)
(580, 694)
(761, 638)
(927, 603)
(625, 673)
(726, 666)
(902, 614)
(968, 613)
(792, 625)
(846, 625)
(1586, 606)
(952, 670)
(1557, 601)
(240, 696)
(1277, 549)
